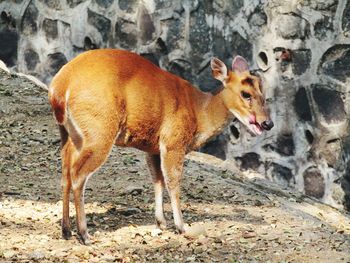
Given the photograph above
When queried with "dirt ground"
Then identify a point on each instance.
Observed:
(231, 218)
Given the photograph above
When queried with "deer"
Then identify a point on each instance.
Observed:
(109, 97)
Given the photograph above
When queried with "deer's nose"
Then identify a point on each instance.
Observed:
(267, 125)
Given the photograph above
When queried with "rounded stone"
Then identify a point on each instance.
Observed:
(205, 81)
(31, 58)
(314, 183)
(29, 20)
(129, 6)
(50, 28)
(240, 46)
(8, 47)
(301, 59)
(250, 160)
(145, 25)
(175, 33)
(335, 62)
(89, 44)
(54, 4)
(8, 39)
(302, 105)
(216, 147)
(292, 27)
(231, 8)
(181, 68)
(346, 19)
(151, 57)
(338, 193)
(322, 5)
(74, 3)
(329, 103)
(126, 34)
(101, 23)
(323, 27)
(199, 31)
(285, 145)
(331, 152)
(104, 3)
(221, 48)
(7, 21)
(281, 174)
(160, 4)
(258, 18)
(54, 62)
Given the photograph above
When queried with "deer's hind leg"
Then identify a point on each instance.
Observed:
(91, 156)
(92, 133)
(153, 162)
(66, 149)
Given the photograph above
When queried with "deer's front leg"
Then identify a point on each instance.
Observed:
(172, 167)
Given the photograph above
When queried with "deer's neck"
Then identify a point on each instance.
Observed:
(212, 117)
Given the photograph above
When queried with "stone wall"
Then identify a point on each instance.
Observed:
(305, 45)
(302, 45)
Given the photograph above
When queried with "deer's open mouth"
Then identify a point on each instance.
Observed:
(254, 126)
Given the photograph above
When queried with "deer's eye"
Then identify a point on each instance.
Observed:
(246, 95)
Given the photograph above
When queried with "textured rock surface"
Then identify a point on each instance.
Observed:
(305, 45)
(9, 39)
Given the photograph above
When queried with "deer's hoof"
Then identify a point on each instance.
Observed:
(181, 229)
(85, 239)
(161, 224)
(66, 233)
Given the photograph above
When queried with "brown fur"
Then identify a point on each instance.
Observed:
(106, 97)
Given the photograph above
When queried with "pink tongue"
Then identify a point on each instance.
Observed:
(252, 119)
(257, 129)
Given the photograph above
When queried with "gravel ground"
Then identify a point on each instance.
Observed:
(231, 218)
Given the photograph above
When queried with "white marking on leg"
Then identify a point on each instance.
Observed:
(172, 192)
(75, 185)
(64, 180)
(51, 89)
(177, 214)
(162, 149)
(73, 128)
(67, 95)
(158, 190)
(86, 180)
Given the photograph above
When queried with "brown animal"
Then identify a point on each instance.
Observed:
(106, 97)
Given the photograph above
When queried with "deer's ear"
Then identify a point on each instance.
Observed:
(239, 64)
(219, 69)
